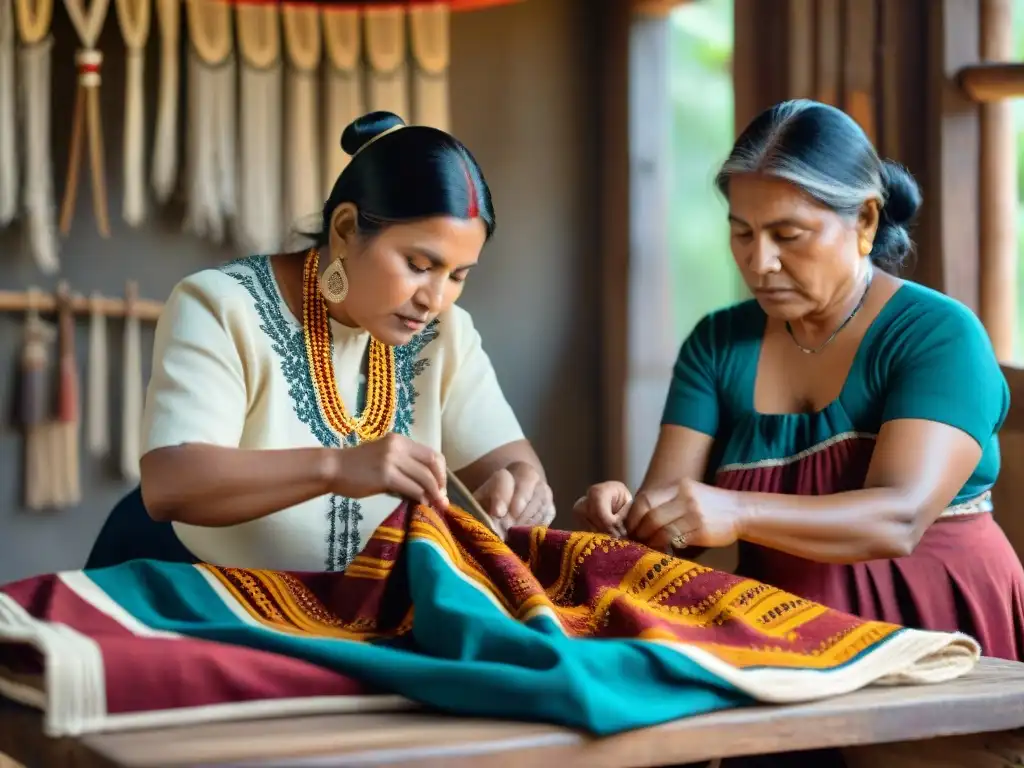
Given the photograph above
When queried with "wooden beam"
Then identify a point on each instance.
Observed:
(985, 83)
(997, 303)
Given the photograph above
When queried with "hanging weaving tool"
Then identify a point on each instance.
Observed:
(131, 387)
(9, 161)
(259, 210)
(133, 16)
(387, 77)
(86, 120)
(35, 402)
(68, 426)
(165, 141)
(303, 191)
(97, 412)
(344, 85)
(211, 128)
(34, 18)
(430, 43)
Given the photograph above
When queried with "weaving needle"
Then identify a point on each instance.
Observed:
(465, 500)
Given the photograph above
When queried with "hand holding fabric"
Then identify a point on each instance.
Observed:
(517, 495)
(604, 508)
(684, 515)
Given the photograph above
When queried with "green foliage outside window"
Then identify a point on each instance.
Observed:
(703, 274)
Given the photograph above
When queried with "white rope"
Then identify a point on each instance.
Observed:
(165, 142)
(343, 97)
(131, 403)
(134, 19)
(98, 410)
(388, 73)
(304, 47)
(430, 43)
(9, 161)
(40, 206)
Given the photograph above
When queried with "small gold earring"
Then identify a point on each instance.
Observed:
(334, 282)
(865, 246)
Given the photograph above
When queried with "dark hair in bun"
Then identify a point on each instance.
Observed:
(402, 173)
(823, 151)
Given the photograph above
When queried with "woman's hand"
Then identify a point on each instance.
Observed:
(604, 508)
(684, 515)
(394, 465)
(516, 495)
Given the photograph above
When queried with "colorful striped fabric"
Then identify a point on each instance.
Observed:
(575, 629)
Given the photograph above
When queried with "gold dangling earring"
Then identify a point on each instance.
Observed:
(334, 282)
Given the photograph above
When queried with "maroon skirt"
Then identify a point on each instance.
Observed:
(963, 576)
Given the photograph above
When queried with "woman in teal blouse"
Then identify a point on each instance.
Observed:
(842, 426)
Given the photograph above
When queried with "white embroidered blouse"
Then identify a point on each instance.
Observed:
(230, 369)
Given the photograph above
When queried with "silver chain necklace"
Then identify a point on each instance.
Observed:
(846, 322)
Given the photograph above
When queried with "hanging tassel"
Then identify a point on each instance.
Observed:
(68, 409)
(86, 122)
(34, 405)
(97, 410)
(165, 142)
(9, 160)
(259, 210)
(303, 45)
(430, 43)
(210, 162)
(133, 17)
(387, 78)
(343, 99)
(131, 394)
(34, 18)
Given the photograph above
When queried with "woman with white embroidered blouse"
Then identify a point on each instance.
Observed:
(295, 397)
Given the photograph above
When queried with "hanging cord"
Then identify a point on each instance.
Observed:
(34, 18)
(35, 404)
(131, 396)
(86, 119)
(97, 412)
(9, 161)
(165, 142)
(133, 16)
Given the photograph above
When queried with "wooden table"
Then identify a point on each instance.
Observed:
(988, 700)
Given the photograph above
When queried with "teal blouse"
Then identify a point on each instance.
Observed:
(925, 356)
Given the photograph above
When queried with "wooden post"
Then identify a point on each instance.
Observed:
(612, 18)
(998, 188)
(948, 237)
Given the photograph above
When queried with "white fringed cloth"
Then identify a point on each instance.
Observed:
(304, 48)
(430, 43)
(259, 226)
(211, 163)
(387, 76)
(343, 86)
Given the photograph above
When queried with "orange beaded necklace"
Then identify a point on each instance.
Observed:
(379, 411)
